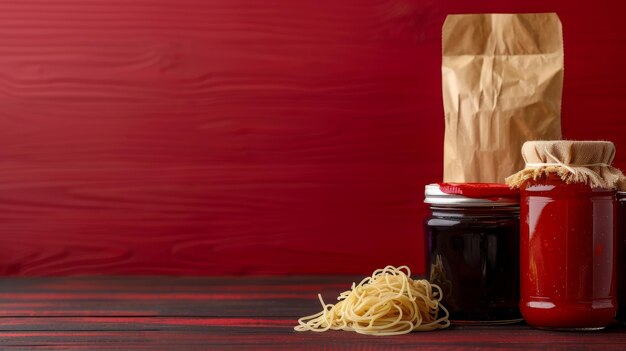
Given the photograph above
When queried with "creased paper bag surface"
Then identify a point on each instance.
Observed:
(502, 78)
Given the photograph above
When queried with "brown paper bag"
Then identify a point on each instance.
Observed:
(502, 82)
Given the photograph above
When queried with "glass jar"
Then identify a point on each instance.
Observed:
(568, 277)
(472, 240)
(621, 262)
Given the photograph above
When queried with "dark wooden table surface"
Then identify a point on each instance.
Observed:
(170, 313)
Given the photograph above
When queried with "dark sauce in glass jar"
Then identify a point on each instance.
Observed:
(621, 255)
(472, 238)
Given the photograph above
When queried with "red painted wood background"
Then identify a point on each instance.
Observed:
(245, 136)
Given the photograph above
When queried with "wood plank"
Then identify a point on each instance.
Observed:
(203, 137)
(265, 334)
(167, 296)
(200, 313)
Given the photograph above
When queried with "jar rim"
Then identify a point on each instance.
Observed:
(470, 195)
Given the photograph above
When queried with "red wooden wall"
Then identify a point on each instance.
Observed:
(245, 136)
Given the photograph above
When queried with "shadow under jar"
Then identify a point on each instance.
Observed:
(568, 275)
(472, 240)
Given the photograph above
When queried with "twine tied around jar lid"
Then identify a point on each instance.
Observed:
(587, 162)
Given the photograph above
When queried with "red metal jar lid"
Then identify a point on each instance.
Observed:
(471, 194)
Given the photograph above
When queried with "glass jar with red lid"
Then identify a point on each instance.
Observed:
(568, 277)
(472, 240)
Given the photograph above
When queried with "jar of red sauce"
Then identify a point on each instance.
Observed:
(567, 259)
(472, 240)
(568, 246)
(621, 256)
